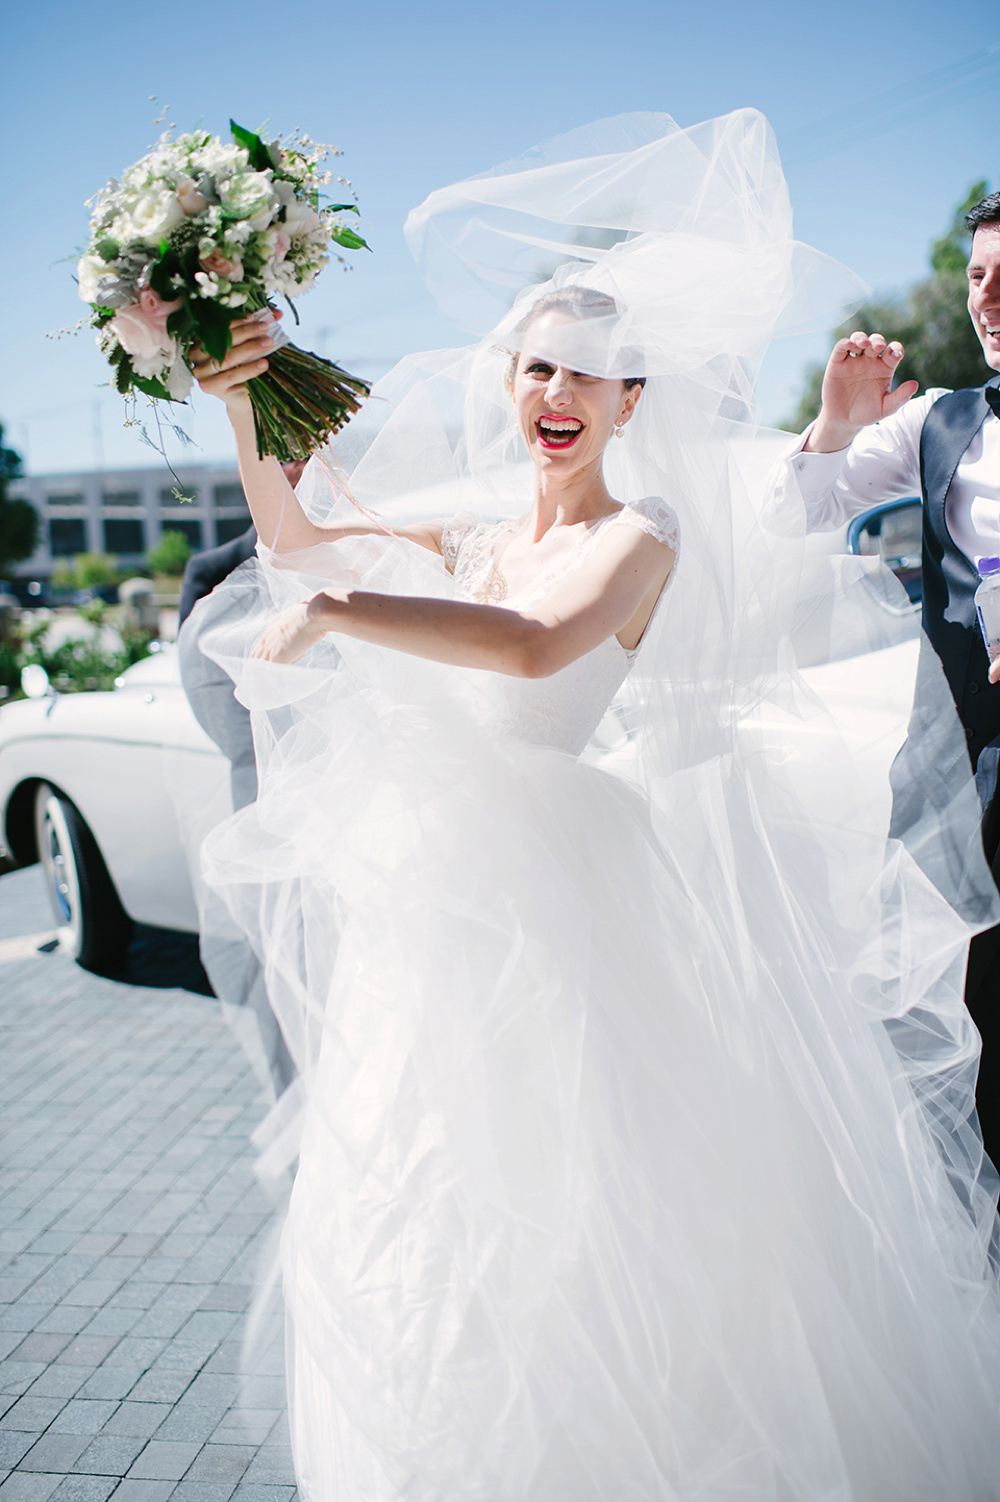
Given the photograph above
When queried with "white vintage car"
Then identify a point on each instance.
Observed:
(87, 780)
(86, 787)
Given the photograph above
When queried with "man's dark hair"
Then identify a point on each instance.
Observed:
(986, 211)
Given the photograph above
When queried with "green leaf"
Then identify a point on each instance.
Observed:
(212, 324)
(107, 249)
(348, 239)
(152, 388)
(123, 377)
(216, 341)
(243, 137)
(260, 157)
(342, 208)
(160, 278)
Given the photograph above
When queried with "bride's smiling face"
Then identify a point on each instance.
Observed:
(566, 417)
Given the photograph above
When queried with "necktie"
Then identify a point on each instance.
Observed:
(992, 396)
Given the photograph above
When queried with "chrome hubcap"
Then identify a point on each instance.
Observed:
(58, 858)
(60, 883)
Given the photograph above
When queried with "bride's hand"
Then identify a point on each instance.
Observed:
(290, 636)
(251, 344)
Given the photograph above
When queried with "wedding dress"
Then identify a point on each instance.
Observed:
(634, 1138)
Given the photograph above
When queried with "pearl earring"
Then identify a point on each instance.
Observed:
(619, 430)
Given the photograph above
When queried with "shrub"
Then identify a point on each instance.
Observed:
(87, 658)
(170, 554)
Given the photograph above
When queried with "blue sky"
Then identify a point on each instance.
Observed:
(884, 115)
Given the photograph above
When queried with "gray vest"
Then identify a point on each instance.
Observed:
(950, 582)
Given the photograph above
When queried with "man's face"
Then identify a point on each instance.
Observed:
(984, 290)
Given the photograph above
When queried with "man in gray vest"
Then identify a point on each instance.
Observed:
(239, 980)
(871, 443)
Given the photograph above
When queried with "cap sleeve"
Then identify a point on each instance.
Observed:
(655, 516)
(453, 534)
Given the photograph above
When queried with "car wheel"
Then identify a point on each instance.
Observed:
(93, 926)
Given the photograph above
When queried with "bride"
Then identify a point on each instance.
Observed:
(635, 1148)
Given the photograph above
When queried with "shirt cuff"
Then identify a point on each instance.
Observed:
(816, 472)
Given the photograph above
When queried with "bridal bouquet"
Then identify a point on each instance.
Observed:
(201, 232)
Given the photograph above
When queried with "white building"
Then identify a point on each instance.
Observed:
(124, 512)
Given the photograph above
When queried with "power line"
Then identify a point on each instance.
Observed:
(909, 100)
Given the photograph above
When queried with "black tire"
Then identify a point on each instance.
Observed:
(93, 926)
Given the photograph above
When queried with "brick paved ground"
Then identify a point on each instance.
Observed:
(130, 1226)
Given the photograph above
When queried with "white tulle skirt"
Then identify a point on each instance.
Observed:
(618, 1180)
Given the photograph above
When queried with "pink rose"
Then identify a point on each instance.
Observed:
(218, 265)
(282, 245)
(141, 329)
(190, 200)
(156, 310)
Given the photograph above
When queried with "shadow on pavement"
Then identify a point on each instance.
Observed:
(162, 959)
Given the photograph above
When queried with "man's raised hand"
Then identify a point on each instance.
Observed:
(857, 390)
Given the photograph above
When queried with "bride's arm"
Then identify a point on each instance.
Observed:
(281, 522)
(613, 592)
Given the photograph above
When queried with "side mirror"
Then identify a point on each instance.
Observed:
(35, 681)
(893, 533)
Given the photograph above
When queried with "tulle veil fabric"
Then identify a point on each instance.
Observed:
(636, 1155)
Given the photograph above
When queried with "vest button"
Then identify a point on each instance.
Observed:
(973, 688)
(969, 732)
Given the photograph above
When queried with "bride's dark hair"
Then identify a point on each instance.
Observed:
(582, 302)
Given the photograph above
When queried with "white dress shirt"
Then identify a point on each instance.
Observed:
(883, 464)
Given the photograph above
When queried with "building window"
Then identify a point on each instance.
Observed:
(122, 498)
(191, 530)
(67, 535)
(229, 497)
(168, 500)
(65, 498)
(231, 526)
(123, 535)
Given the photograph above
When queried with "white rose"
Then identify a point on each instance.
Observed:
(263, 219)
(154, 214)
(248, 195)
(89, 271)
(301, 220)
(218, 157)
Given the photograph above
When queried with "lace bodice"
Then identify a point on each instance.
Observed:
(564, 709)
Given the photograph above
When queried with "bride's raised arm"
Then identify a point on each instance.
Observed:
(612, 594)
(281, 522)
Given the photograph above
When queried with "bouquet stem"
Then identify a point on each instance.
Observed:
(299, 401)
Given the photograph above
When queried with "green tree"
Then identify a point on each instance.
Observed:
(18, 518)
(931, 320)
(87, 571)
(95, 569)
(170, 554)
